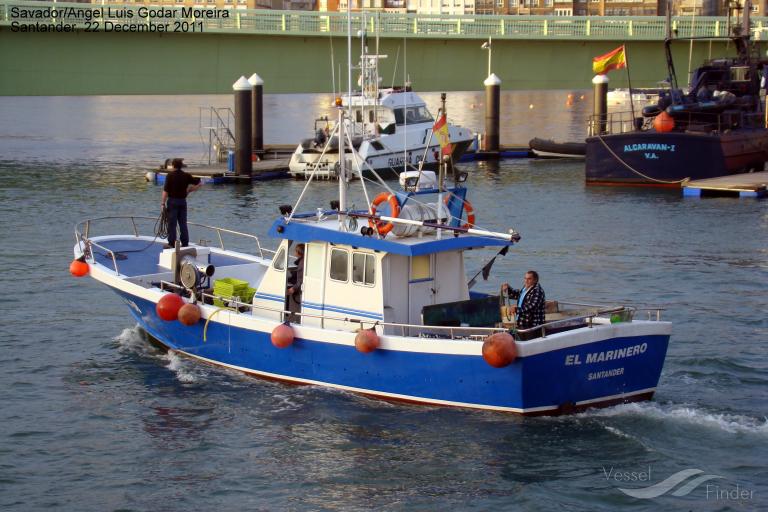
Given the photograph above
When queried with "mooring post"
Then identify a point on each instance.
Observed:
(492, 106)
(600, 101)
(243, 148)
(257, 113)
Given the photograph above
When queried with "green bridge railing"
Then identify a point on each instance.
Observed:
(104, 18)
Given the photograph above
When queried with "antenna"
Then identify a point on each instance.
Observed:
(333, 67)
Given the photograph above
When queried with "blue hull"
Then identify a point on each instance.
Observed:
(554, 382)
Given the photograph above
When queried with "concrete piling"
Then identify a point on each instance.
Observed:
(492, 108)
(600, 105)
(257, 113)
(243, 142)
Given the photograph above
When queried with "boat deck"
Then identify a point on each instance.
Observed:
(139, 257)
(752, 184)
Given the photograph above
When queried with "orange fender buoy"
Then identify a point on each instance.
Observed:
(384, 227)
(282, 336)
(78, 268)
(168, 307)
(663, 122)
(189, 314)
(499, 350)
(467, 208)
(367, 340)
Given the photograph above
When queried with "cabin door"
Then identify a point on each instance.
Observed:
(421, 285)
(314, 284)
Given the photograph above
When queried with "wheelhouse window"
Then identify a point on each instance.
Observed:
(339, 265)
(278, 262)
(412, 115)
(363, 269)
(420, 267)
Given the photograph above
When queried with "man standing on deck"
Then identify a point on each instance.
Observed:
(178, 184)
(529, 310)
(295, 281)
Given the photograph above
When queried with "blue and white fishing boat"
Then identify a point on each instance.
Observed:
(386, 308)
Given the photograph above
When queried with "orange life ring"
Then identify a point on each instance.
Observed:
(467, 208)
(384, 227)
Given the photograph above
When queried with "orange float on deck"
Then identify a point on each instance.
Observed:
(189, 314)
(168, 307)
(663, 122)
(78, 268)
(499, 350)
(282, 336)
(367, 340)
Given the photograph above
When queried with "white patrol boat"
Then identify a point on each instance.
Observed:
(391, 129)
(386, 308)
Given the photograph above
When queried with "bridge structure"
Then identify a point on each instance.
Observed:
(58, 48)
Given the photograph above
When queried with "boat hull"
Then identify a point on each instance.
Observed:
(544, 148)
(563, 379)
(387, 164)
(668, 159)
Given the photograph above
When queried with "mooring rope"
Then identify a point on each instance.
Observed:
(161, 231)
(625, 164)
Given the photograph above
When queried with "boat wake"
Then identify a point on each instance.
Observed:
(730, 423)
(134, 340)
(182, 369)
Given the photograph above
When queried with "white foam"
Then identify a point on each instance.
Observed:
(731, 423)
(616, 431)
(178, 366)
(132, 339)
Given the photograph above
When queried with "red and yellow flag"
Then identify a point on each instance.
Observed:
(615, 59)
(440, 129)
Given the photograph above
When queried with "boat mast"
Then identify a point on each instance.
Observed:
(342, 165)
(340, 123)
(349, 59)
(442, 163)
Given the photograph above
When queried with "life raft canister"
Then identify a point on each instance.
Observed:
(467, 208)
(384, 227)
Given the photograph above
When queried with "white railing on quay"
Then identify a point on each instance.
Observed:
(85, 16)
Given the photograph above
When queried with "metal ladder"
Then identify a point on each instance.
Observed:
(214, 125)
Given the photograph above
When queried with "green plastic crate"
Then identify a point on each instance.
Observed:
(229, 287)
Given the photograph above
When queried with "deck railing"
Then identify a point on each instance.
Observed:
(92, 17)
(583, 318)
(700, 122)
(586, 314)
(85, 243)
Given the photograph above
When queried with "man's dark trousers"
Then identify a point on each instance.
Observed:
(177, 212)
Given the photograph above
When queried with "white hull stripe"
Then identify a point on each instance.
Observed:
(269, 296)
(338, 309)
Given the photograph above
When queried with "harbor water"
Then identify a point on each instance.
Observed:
(95, 418)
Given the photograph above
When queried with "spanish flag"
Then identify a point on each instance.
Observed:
(615, 59)
(440, 129)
